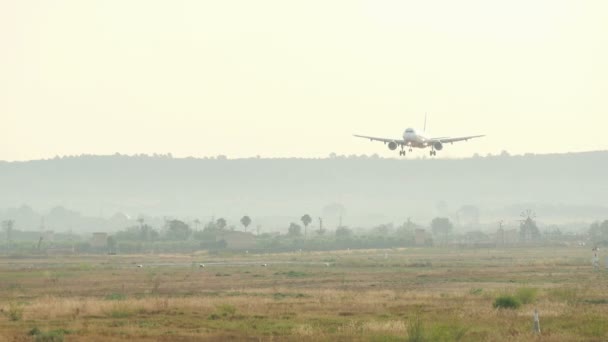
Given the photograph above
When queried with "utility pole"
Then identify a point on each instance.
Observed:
(536, 322)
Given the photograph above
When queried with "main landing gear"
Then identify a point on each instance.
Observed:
(433, 153)
(402, 153)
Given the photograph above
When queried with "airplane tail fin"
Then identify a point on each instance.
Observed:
(424, 122)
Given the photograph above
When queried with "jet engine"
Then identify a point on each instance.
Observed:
(438, 146)
(392, 145)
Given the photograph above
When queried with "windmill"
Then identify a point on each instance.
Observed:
(527, 214)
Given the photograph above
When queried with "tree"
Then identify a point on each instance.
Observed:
(442, 226)
(343, 233)
(147, 233)
(406, 229)
(294, 230)
(528, 231)
(221, 223)
(306, 220)
(245, 221)
(598, 232)
(383, 229)
(177, 230)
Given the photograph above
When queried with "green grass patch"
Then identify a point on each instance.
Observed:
(120, 311)
(595, 301)
(292, 274)
(566, 295)
(416, 331)
(115, 296)
(447, 332)
(526, 295)
(223, 311)
(281, 295)
(475, 291)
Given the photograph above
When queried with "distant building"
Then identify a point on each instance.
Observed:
(99, 240)
(420, 237)
(237, 240)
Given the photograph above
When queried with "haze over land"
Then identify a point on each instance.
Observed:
(295, 81)
(561, 188)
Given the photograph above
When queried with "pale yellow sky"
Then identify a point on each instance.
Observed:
(297, 78)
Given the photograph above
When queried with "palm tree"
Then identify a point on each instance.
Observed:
(246, 221)
(306, 220)
(197, 222)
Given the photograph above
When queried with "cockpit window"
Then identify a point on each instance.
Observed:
(409, 130)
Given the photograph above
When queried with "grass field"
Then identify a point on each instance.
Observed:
(410, 294)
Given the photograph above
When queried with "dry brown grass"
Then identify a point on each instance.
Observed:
(362, 296)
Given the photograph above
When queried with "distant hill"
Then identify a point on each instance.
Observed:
(364, 189)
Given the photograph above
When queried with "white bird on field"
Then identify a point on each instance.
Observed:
(201, 265)
(326, 264)
(140, 266)
(264, 265)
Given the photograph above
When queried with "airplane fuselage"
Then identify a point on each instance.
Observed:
(412, 139)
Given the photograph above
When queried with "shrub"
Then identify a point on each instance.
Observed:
(526, 295)
(34, 331)
(15, 312)
(506, 302)
(214, 316)
(51, 336)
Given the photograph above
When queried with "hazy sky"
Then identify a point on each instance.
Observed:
(297, 78)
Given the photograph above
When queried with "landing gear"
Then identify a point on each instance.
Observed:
(402, 153)
(433, 153)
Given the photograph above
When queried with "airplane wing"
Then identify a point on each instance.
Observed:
(453, 140)
(384, 140)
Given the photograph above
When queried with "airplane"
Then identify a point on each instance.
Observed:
(412, 139)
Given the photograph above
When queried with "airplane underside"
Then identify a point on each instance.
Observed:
(411, 145)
